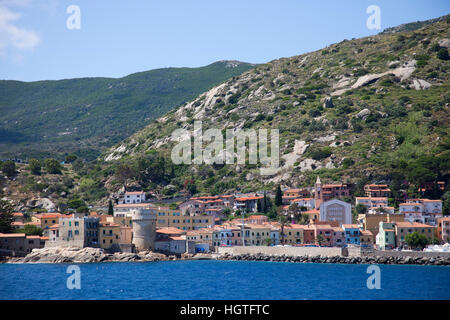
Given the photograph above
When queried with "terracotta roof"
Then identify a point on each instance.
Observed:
(109, 224)
(376, 185)
(256, 216)
(50, 215)
(55, 226)
(350, 226)
(33, 237)
(302, 199)
(169, 230)
(17, 223)
(249, 198)
(177, 238)
(17, 214)
(12, 235)
(334, 185)
(134, 192)
(407, 224)
(33, 223)
(257, 226)
(132, 205)
(322, 226)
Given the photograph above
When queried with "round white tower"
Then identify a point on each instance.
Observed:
(144, 229)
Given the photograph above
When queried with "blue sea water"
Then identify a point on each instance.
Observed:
(204, 280)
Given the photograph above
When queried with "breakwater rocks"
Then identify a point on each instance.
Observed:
(85, 255)
(440, 261)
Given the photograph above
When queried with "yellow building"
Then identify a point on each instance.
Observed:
(366, 238)
(293, 234)
(174, 218)
(123, 221)
(46, 220)
(109, 235)
(257, 234)
(371, 222)
(402, 229)
(126, 235)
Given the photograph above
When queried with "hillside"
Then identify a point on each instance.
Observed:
(87, 115)
(369, 109)
(374, 109)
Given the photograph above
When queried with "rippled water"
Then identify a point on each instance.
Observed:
(222, 280)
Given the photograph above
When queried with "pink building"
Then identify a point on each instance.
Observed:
(338, 239)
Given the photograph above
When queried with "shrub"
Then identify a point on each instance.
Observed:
(319, 154)
(35, 166)
(9, 168)
(313, 113)
(52, 166)
(443, 54)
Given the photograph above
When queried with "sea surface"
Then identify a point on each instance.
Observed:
(222, 280)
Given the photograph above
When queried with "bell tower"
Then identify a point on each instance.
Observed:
(318, 193)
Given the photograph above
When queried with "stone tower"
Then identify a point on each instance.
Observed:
(318, 193)
(144, 229)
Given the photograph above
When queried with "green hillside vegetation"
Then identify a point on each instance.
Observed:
(374, 109)
(53, 118)
(403, 139)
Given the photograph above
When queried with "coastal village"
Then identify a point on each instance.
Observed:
(323, 215)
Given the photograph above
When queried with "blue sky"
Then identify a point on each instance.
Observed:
(118, 37)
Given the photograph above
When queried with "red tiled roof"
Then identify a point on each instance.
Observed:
(169, 230)
(12, 235)
(249, 198)
(407, 224)
(134, 192)
(350, 226)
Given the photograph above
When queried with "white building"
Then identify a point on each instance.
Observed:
(133, 197)
(336, 210)
(309, 203)
(370, 202)
(124, 210)
(421, 210)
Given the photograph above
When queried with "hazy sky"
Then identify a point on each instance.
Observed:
(117, 37)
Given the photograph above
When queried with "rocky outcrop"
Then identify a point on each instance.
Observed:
(363, 114)
(85, 255)
(420, 84)
(328, 103)
(444, 43)
(439, 261)
(403, 72)
(42, 203)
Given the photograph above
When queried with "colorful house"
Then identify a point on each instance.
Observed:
(385, 239)
(352, 234)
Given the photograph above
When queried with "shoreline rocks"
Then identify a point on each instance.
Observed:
(439, 261)
(84, 255)
(96, 255)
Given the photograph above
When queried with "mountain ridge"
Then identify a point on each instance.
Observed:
(48, 117)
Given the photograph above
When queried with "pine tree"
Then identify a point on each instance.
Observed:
(110, 208)
(6, 217)
(265, 204)
(278, 196)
